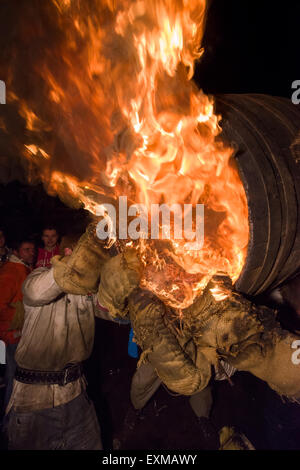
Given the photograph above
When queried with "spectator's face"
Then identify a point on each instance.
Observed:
(26, 252)
(2, 239)
(50, 238)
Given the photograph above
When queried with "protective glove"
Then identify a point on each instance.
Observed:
(79, 273)
(119, 277)
(174, 366)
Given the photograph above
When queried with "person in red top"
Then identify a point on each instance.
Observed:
(51, 248)
(12, 275)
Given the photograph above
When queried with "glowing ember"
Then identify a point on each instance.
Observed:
(128, 120)
(219, 294)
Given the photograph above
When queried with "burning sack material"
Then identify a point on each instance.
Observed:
(221, 324)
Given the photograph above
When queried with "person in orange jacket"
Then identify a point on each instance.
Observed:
(12, 275)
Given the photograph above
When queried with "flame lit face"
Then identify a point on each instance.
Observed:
(26, 252)
(50, 238)
(133, 123)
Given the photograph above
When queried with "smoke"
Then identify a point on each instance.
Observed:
(69, 66)
(35, 51)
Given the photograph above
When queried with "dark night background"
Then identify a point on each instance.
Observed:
(251, 46)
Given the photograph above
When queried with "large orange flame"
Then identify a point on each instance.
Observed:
(128, 120)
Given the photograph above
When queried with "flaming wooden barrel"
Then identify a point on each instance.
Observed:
(266, 133)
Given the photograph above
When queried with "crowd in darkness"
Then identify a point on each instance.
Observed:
(16, 262)
(39, 256)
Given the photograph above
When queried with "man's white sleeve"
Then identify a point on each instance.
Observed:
(40, 288)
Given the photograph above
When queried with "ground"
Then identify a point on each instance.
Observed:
(168, 422)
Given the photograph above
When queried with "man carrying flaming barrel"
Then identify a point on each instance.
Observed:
(183, 349)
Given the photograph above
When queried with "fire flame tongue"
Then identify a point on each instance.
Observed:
(133, 123)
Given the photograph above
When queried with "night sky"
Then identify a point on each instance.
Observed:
(250, 46)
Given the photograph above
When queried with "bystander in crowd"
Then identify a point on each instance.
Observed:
(12, 275)
(50, 238)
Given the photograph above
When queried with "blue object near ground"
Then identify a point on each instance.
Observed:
(132, 346)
